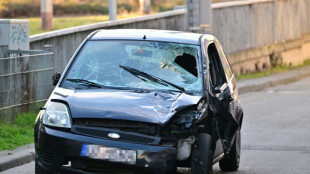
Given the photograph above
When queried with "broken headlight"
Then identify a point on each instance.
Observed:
(57, 114)
(181, 124)
(186, 121)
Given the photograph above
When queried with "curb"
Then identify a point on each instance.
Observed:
(252, 85)
(16, 160)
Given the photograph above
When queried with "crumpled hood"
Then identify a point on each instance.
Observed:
(151, 107)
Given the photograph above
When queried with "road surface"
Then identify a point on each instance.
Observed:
(275, 132)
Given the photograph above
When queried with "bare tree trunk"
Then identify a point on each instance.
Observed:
(145, 6)
(47, 14)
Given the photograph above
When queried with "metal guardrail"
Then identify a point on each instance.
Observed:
(25, 79)
(25, 51)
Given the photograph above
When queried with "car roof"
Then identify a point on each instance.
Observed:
(151, 35)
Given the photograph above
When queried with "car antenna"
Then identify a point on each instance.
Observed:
(144, 37)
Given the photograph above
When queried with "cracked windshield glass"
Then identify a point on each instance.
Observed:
(145, 65)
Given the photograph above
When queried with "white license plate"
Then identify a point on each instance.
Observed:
(109, 153)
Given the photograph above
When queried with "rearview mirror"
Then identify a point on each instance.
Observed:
(55, 78)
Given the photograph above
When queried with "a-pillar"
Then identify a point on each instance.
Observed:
(47, 14)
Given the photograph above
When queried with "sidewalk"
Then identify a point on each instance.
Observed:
(258, 84)
(25, 154)
(19, 156)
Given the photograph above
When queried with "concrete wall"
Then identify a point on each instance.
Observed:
(253, 23)
(24, 80)
(255, 33)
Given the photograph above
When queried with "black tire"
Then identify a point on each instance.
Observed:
(231, 162)
(202, 156)
(39, 169)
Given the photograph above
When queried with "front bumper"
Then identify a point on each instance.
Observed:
(55, 148)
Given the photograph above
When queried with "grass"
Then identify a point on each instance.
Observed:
(276, 69)
(18, 133)
(70, 21)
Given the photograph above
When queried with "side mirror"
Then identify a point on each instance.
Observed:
(217, 89)
(55, 78)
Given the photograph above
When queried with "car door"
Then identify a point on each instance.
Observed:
(221, 97)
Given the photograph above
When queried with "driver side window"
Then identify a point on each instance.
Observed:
(216, 69)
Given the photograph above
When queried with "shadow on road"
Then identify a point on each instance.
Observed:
(215, 171)
(222, 172)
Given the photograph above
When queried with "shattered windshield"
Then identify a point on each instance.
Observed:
(136, 65)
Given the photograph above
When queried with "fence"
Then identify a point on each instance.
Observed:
(24, 80)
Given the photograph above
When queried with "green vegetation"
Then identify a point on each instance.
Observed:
(17, 133)
(165, 5)
(276, 69)
(31, 8)
(69, 21)
(63, 22)
(12, 9)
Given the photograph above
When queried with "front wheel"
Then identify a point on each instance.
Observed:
(202, 156)
(231, 162)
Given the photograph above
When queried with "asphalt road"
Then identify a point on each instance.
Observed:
(275, 132)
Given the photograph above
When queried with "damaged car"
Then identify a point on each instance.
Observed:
(141, 101)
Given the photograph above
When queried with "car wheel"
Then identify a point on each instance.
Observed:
(202, 156)
(231, 162)
(39, 169)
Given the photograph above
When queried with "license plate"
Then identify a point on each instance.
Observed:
(109, 153)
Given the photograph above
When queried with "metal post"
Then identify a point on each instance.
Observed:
(205, 16)
(47, 14)
(47, 48)
(112, 10)
(199, 15)
(145, 6)
(48, 59)
(4, 51)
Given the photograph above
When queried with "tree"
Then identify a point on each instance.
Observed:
(145, 6)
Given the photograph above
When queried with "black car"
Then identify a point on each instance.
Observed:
(141, 101)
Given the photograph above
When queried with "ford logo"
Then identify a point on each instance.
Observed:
(114, 135)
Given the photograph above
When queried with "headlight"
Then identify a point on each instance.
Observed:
(57, 114)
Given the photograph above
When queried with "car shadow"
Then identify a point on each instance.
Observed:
(215, 171)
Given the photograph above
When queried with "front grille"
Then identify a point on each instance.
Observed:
(124, 136)
(46, 157)
(123, 125)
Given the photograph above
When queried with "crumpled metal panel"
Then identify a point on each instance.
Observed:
(226, 124)
(151, 107)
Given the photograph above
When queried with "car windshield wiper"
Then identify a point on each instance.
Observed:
(85, 82)
(96, 85)
(150, 77)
